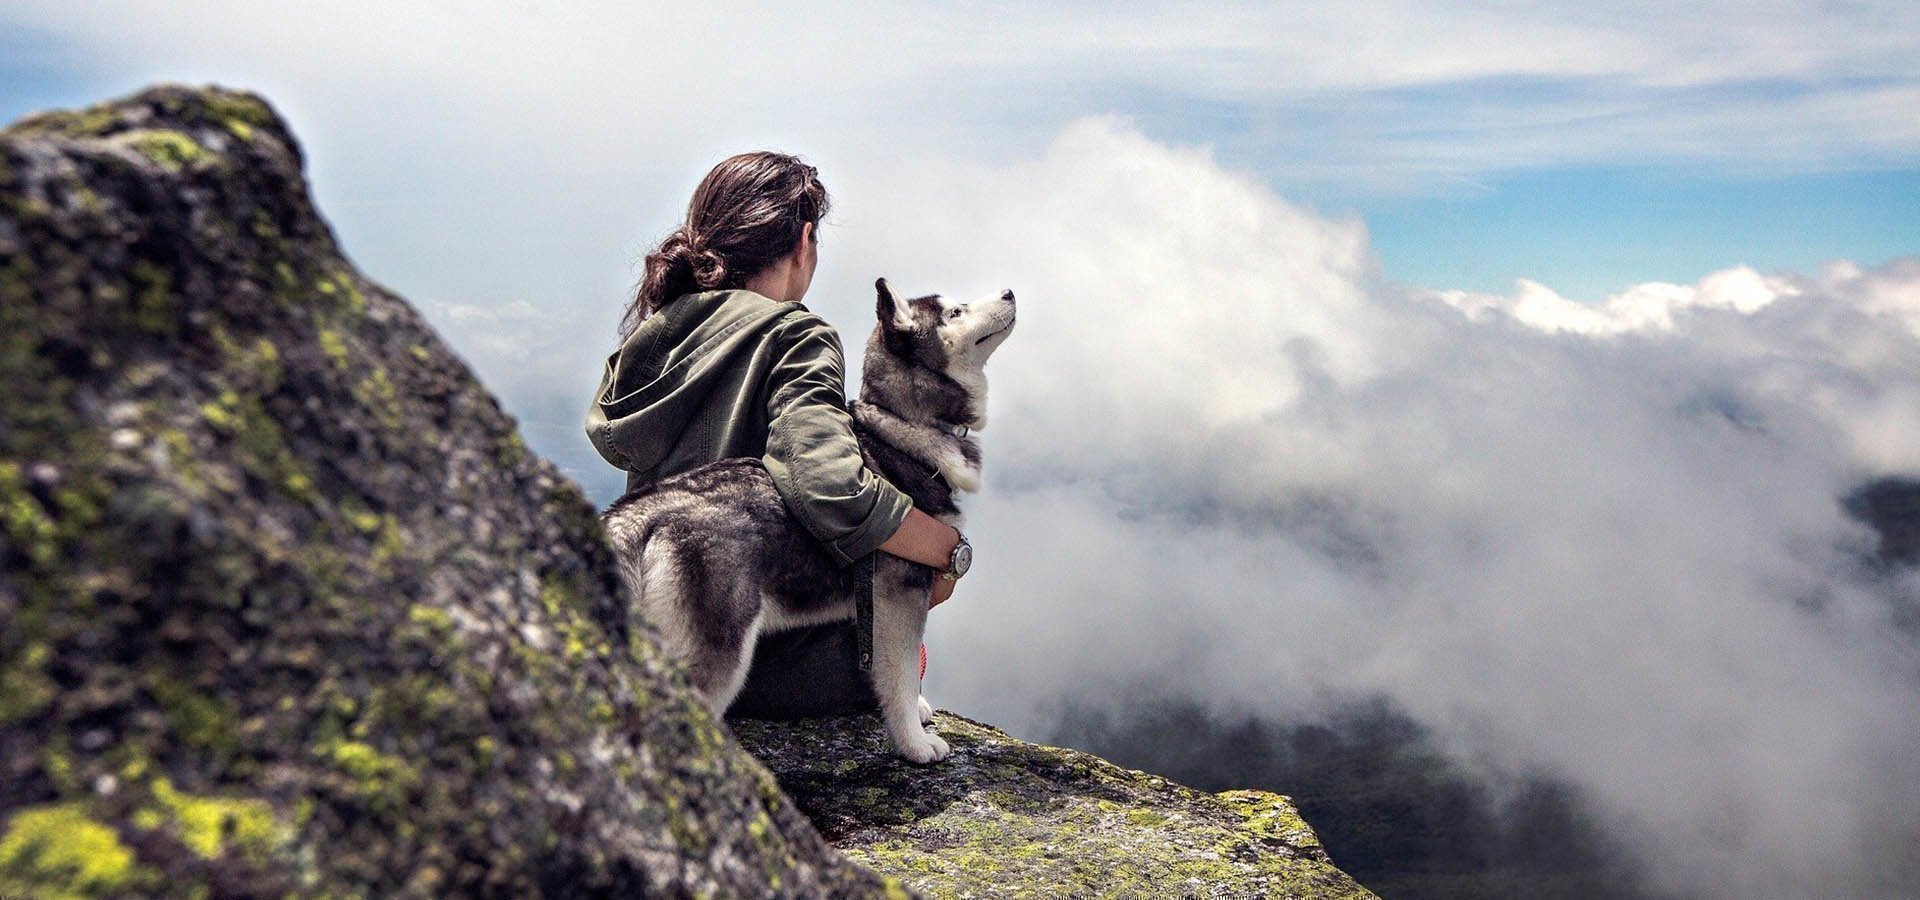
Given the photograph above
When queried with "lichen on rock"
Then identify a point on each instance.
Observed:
(1003, 818)
(286, 608)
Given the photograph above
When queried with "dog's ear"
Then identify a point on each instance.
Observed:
(889, 310)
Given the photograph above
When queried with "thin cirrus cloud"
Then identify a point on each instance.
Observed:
(1467, 87)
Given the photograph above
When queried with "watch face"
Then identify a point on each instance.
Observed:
(962, 559)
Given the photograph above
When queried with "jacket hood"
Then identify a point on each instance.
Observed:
(660, 378)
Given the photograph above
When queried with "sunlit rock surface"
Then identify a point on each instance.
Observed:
(1004, 818)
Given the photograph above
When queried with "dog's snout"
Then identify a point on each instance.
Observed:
(1007, 296)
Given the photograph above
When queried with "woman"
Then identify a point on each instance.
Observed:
(717, 354)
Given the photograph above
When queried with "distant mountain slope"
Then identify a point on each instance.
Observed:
(1892, 507)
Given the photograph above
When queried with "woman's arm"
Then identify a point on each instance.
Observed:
(812, 453)
(928, 541)
(923, 539)
(816, 464)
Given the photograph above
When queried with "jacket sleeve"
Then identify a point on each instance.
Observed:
(813, 455)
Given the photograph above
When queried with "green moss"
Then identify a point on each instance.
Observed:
(234, 108)
(382, 781)
(56, 760)
(56, 852)
(155, 308)
(89, 202)
(263, 450)
(685, 833)
(255, 366)
(430, 617)
(335, 347)
(364, 762)
(94, 121)
(210, 826)
(1145, 818)
(27, 525)
(559, 593)
(376, 392)
(263, 227)
(510, 450)
(24, 687)
(340, 289)
(389, 545)
(170, 150)
(563, 599)
(357, 514)
(201, 720)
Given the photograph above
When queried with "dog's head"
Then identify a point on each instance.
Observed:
(942, 335)
(928, 355)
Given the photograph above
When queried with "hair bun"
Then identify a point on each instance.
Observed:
(709, 269)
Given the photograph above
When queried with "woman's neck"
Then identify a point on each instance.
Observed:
(777, 281)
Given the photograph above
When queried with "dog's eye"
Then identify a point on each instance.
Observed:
(955, 312)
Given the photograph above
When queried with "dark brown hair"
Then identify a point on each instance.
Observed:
(747, 213)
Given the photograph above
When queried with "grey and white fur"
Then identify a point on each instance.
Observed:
(713, 559)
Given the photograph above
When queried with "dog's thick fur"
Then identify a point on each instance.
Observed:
(714, 560)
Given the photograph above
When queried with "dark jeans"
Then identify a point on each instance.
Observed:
(804, 673)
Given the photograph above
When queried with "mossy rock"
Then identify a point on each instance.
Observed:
(1003, 818)
(286, 609)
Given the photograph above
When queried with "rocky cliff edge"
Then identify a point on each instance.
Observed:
(288, 608)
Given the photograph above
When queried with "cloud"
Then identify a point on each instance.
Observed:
(1228, 460)
(1403, 89)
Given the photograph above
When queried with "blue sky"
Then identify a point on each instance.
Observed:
(1590, 232)
(1588, 149)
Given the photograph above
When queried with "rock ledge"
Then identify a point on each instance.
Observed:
(1003, 818)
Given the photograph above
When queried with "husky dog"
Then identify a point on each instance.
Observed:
(714, 560)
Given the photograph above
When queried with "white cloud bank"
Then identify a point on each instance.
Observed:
(1226, 459)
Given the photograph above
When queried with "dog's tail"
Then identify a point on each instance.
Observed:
(628, 535)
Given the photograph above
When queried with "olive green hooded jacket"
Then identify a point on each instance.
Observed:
(732, 373)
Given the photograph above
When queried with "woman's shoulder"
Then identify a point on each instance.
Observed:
(800, 323)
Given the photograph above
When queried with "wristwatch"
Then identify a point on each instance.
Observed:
(960, 561)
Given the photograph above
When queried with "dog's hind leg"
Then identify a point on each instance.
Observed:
(707, 616)
(899, 619)
(725, 670)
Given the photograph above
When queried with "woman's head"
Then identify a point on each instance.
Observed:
(748, 213)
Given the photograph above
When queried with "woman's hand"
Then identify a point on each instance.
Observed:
(923, 539)
(929, 542)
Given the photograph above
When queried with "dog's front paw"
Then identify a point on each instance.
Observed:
(926, 712)
(923, 748)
